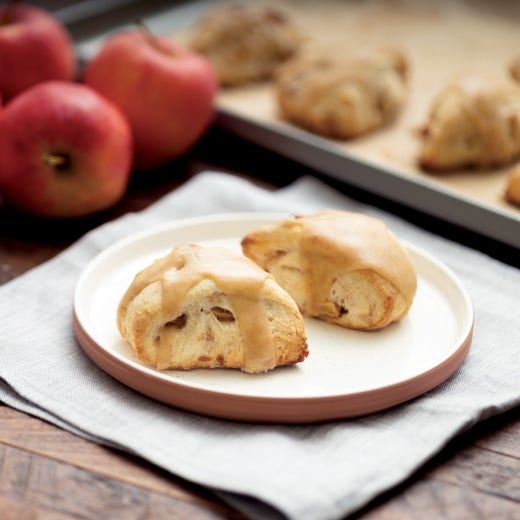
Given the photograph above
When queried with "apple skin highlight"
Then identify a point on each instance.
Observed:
(65, 151)
(166, 91)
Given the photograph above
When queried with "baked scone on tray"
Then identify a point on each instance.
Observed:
(474, 122)
(245, 42)
(342, 96)
(209, 307)
(342, 267)
(512, 190)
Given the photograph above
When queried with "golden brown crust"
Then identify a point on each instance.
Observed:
(341, 267)
(245, 43)
(207, 308)
(342, 97)
(473, 122)
(514, 68)
(512, 191)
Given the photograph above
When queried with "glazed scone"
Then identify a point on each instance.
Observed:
(245, 43)
(512, 192)
(514, 68)
(342, 97)
(208, 307)
(341, 267)
(473, 122)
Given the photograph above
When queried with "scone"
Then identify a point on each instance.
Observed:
(342, 97)
(512, 192)
(341, 267)
(514, 68)
(245, 43)
(208, 307)
(473, 122)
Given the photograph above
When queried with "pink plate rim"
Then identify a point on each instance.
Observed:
(272, 409)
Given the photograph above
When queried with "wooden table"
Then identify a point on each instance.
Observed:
(48, 473)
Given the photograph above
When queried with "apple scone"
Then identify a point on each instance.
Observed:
(514, 68)
(342, 96)
(245, 43)
(473, 122)
(512, 191)
(209, 307)
(341, 267)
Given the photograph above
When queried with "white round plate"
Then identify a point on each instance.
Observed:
(347, 373)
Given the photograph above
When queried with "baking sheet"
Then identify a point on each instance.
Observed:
(441, 40)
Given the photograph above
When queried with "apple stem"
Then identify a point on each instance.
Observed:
(149, 35)
(8, 13)
(56, 161)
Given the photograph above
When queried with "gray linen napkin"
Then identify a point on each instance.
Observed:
(322, 471)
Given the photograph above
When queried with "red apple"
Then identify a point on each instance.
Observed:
(65, 151)
(34, 47)
(166, 91)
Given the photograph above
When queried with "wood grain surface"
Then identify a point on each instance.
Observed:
(48, 473)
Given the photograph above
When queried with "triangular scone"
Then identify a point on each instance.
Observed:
(208, 307)
(473, 122)
(245, 43)
(342, 267)
(342, 96)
